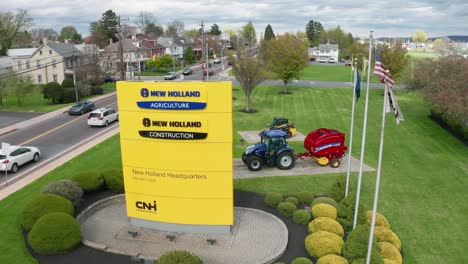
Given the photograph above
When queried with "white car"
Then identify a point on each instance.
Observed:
(323, 60)
(15, 156)
(331, 60)
(102, 117)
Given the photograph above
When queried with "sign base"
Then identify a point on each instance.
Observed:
(181, 228)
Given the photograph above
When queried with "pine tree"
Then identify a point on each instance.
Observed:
(269, 33)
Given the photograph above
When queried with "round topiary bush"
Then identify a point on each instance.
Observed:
(322, 243)
(113, 179)
(388, 261)
(55, 233)
(89, 181)
(355, 247)
(389, 251)
(326, 224)
(380, 220)
(325, 200)
(383, 234)
(272, 199)
(305, 197)
(286, 209)
(301, 260)
(179, 257)
(301, 217)
(293, 200)
(44, 204)
(332, 259)
(66, 188)
(324, 210)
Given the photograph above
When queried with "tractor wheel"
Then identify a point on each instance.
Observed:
(285, 161)
(254, 163)
(335, 163)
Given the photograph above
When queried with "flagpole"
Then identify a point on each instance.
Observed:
(351, 132)
(363, 142)
(377, 180)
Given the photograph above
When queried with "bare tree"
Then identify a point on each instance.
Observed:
(10, 26)
(91, 62)
(175, 28)
(38, 34)
(249, 72)
(144, 19)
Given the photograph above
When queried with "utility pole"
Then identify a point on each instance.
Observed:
(122, 75)
(74, 75)
(172, 52)
(203, 45)
(207, 65)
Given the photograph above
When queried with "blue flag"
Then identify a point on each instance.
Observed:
(357, 84)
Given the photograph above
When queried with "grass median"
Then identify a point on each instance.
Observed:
(423, 182)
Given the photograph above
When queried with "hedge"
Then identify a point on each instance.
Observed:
(325, 200)
(272, 199)
(293, 200)
(324, 210)
(383, 234)
(89, 181)
(179, 257)
(301, 260)
(346, 212)
(66, 188)
(305, 197)
(301, 217)
(44, 204)
(322, 243)
(337, 190)
(113, 180)
(389, 261)
(326, 224)
(380, 220)
(355, 247)
(332, 259)
(389, 251)
(55, 233)
(286, 209)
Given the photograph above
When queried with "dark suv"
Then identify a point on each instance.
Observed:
(81, 108)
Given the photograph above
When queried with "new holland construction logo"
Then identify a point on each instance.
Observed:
(174, 129)
(171, 100)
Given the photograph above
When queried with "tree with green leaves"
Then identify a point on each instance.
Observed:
(395, 58)
(155, 29)
(249, 71)
(286, 57)
(420, 36)
(109, 22)
(192, 32)
(69, 33)
(337, 36)
(5, 84)
(53, 91)
(189, 55)
(165, 61)
(21, 86)
(98, 35)
(313, 30)
(214, 31)
(269, 33)
(10, 26)
(248, 34)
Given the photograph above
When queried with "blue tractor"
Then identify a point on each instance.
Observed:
(271, 150)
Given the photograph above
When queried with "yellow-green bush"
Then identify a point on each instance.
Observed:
(324, 210)
(389, 251)
(332, 259)
(322, 243)
(326, 224)
(388, 261)
(386, 235)
(380, 220)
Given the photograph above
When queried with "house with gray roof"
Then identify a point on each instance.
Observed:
(327, 51)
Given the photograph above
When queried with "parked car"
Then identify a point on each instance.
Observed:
(102, 117)
(187, 71)
(170, 76)
(204, 65)
(347, 63)
(331, 60)
(322, 60)
(81, 108)
(210, 72)
(110, 79)
(15, 156)
(217, 61)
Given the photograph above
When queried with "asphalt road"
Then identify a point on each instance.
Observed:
(54, 137)
(9, 118)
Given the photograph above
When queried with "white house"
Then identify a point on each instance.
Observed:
(327, 51)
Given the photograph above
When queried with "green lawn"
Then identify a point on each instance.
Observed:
(336, 73)
(424, 174)
(421, 54)
(35, 102)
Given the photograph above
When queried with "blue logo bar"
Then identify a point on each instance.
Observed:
(174, 105)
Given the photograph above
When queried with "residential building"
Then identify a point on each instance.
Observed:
(313, 53)
(327, 51)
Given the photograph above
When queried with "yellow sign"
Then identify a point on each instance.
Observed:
(176, 142)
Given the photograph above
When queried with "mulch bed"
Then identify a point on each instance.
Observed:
(87, 255)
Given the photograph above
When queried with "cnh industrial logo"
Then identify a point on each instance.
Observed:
(146, 207)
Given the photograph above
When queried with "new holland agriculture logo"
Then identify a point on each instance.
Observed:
(173, 134)
(166, 104)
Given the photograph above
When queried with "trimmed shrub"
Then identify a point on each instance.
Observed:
(286, 209)
(293, 200)
(389, 251)
(346, 212)
(68, 83)
(383, 234)
(325, 200)
(380, 220)
(66, 188)
(359, 261)
(324, 210)
(301, 260)
(69, 95)
(272, 199)
(97, 90)
(89, 181)
(179, 257)
(305, 197)
(113, 179)
(322, 243)
(389, 261)
(326, 224)
(301, 217)
(337, 191)
(44, 204)
(55, 233)
(355, 247)
(332, 259)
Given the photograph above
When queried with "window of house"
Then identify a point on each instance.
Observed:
(38, 63)
(40, 52)
(55, 77)
(19, 65)
(27, 65)
(50, 51)
(54, 65)
(39, 78)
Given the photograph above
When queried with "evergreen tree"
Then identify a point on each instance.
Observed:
(269, 33)
(313, 30)
(189, 55)
(215, 30)
(108, 23)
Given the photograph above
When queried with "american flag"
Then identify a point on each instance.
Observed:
(381, 72)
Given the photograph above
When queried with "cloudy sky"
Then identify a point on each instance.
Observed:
(391, 18)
